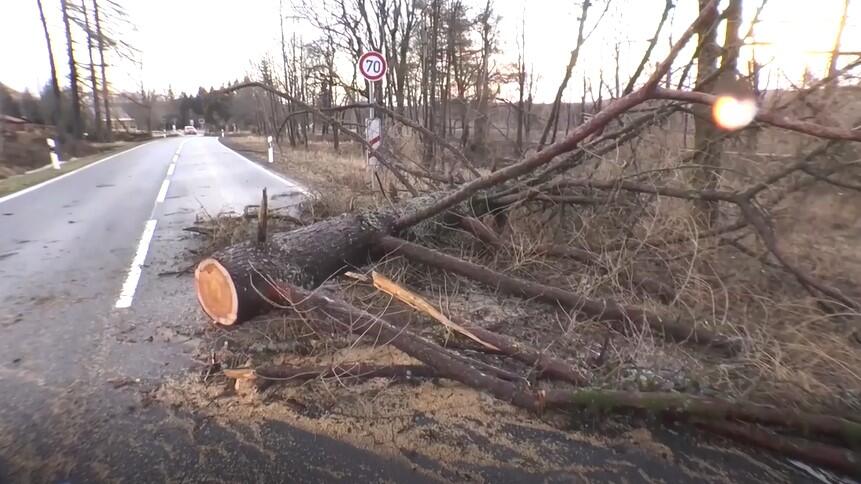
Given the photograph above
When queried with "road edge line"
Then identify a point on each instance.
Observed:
(283, 179)
(37, 186)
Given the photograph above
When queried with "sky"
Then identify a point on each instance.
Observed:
(189, 43)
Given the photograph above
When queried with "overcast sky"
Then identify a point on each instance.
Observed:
(189, 43)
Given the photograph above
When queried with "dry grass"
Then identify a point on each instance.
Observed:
(339, 178)
(16, 182)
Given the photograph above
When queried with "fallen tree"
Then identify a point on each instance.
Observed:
(329, 315)
(672, 328)
(231, 284)
(282, 270)
(228, 284)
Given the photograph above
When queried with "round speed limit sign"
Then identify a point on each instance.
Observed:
(372, 66)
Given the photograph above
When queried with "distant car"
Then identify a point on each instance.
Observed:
(189, 130)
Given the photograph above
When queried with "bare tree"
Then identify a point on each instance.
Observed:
(487, 26)
(106, 97)
(707, 145)
(97, 114)
(652, 42)
(553, 120)
(521, 85)
(77, 120)
(55, 84)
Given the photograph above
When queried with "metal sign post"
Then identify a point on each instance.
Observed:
(372, 66)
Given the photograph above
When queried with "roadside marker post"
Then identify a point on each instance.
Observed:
(270, 151)
(52, 147)
(372, 66)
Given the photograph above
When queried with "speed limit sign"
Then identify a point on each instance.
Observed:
(372, 66)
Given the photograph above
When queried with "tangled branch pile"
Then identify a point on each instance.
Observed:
(636, 262)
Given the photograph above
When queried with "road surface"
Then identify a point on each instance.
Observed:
(83, 308)
(79, 311)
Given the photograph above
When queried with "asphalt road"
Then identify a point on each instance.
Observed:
(70, 254)
(82, 307)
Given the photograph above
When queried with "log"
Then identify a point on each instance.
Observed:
(618, 315)
(335, 315)
(546, 365)
(823, 455)
(241, 281)
(712, 409)
(263, 376)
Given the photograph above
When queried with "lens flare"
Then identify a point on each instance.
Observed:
(731, 114)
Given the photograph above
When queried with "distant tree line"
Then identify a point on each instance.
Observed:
(83, 105)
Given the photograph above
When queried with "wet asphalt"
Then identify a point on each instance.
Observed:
(72, 365)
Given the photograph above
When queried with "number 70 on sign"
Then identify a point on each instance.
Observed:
(372, 66)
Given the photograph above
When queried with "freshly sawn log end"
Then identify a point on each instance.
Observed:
(247, 279)
(216, 292)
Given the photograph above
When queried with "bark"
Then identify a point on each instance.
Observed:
(713, 409)
(109, 133)
(621, 317)
(521, 86)
(77, 121)
(55, 84)
(242, 281)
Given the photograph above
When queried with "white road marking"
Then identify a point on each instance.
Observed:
(52, 180)
(175, 157)
(286, 181)
(127, 293)
(163, 191)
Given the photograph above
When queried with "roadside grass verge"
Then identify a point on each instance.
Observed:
(19, 182)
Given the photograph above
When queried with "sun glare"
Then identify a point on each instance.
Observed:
(731, 114)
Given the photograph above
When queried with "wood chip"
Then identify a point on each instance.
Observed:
(415, 301)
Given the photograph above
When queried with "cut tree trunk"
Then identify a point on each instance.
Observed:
(242, 281)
